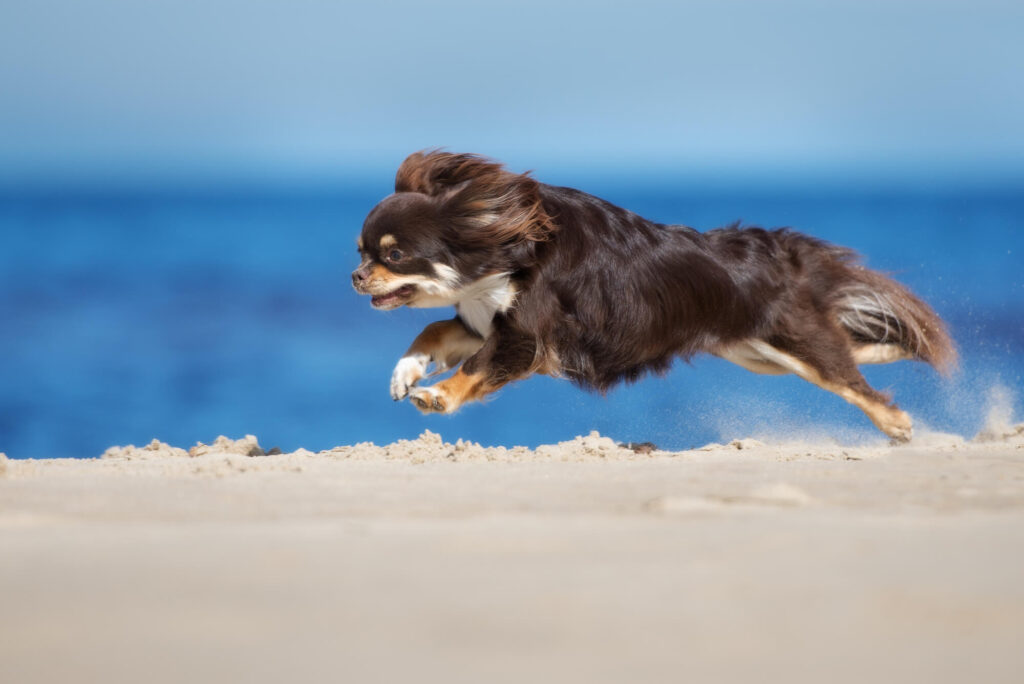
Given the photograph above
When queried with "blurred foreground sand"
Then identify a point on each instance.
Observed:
(581, 562)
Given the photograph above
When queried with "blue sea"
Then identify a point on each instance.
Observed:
(183, 315)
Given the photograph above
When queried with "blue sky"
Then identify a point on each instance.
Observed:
(116, 90)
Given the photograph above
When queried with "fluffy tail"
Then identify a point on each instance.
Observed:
(875, 308)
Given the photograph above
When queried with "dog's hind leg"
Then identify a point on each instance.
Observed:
(838, 374)
(880, 353)
(745, 356)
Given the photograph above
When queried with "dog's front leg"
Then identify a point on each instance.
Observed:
(444, 343)
(504, 357)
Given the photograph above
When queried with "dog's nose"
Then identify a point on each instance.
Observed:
(359, 275)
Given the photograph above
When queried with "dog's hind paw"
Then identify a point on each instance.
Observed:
(899, 427)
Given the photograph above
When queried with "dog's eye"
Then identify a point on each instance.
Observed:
(395, 255)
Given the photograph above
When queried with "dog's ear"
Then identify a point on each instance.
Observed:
(433, 172)
(497, 210)
(483, 201)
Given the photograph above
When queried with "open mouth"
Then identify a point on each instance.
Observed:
(393, 298)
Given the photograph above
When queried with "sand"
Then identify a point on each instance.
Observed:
(584, 561)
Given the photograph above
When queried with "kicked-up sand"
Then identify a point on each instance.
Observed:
(585, 561)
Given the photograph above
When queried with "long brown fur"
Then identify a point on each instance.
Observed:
(554, 280)
(494, 204)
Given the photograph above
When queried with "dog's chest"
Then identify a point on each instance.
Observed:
(481, 301)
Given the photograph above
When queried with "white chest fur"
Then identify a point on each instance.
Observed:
(480, 301)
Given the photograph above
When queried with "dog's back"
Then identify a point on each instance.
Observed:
(623, 296)
(630, 295)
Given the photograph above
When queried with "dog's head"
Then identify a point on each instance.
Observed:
(453, 220)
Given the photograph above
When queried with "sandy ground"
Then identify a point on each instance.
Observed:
(585, 561)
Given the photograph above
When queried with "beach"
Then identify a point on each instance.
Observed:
(432, 560)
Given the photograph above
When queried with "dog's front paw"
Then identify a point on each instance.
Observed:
(408, 371)
(429, 400)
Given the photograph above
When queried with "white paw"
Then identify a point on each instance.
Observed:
(407, 373)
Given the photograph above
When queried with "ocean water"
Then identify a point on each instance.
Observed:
(127, 316)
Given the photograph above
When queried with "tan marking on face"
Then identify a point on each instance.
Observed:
(359, 243)
(381, 281)
(378, 272)
(387, 241)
